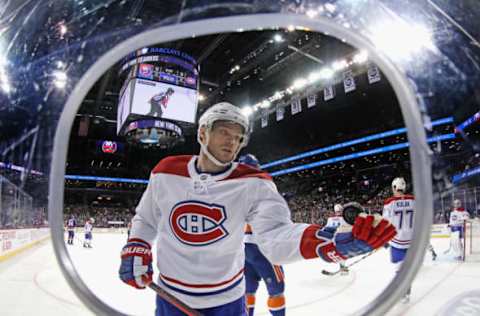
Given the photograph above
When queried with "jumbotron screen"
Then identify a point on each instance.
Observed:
(164, 100)
(157, 99)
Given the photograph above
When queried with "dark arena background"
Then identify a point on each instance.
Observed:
(80, 133)
(346, 148)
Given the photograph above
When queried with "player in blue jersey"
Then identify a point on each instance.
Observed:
(257, 267)
(71, 224)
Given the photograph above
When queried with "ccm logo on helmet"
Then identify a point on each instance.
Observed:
(198, 224)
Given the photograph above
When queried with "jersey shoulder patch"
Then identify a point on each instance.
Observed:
(177, 165)
(245, 171)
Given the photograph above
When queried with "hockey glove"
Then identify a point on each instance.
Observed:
(136, 267)
(369, 232)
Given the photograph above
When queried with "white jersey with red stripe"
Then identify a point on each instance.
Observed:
(335, 221)
(198, 222)
(399, 210)
(458, 216)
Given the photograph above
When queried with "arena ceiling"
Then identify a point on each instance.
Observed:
(244, 68)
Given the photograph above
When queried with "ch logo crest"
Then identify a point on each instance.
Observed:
(198, 224)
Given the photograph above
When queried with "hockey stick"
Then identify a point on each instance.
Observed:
(173, 300)
(329, 273)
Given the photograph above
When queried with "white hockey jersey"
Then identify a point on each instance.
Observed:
(399, 210)
(458, 216)
(88, 227)
(335, 221)
(198, 222)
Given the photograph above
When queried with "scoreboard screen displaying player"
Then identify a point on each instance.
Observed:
(142, 98)
(161, 83)
(162, 100)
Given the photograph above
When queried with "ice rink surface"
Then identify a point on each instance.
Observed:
(32, 283)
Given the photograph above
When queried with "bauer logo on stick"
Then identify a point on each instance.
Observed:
(198, 224)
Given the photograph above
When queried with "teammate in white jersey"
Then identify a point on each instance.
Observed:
(399, 210)
(195, 209)
(87, 242)
(336, 220)
(458, 215)
(333, 222)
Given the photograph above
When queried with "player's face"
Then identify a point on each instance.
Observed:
(224, 140)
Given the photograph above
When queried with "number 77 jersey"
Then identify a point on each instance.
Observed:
(399, 210)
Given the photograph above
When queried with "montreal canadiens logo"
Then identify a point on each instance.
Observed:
(198, 224)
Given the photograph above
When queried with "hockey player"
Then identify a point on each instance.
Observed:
(71, 224)
(195, 209)
(258, 267)
(333, 222)
(457, 230)
(158, 101)
(87, 242)
(399, 210)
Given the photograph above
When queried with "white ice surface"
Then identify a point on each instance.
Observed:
(32, 284)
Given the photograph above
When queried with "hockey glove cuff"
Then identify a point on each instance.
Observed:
(136, 266)
(368, 233)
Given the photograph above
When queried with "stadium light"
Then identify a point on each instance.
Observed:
(314, 76)
(60, 80)
(278, 38)
(339, 65)
(265, 104)
(409, 38)
(299, 83)
(277, 95)
(247, 110)
(63, 29)
(6, 86)
(326, 73)
(360, 57)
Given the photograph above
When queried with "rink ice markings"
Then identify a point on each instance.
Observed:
(433, 289)
(98, 268)
(30, 266)
(307, 291)
(44, 288)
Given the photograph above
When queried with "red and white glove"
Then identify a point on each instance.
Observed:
(369, 232)
(136, 267)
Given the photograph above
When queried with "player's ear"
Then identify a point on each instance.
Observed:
(202, 133)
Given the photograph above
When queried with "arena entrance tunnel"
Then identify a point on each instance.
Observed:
(419, 151)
